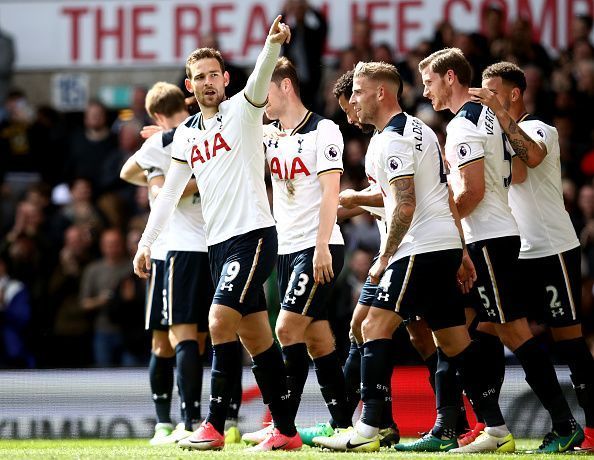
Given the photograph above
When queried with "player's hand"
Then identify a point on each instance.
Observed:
(148, 131)
(377, 269)
(279, 32)
(346, 198)
(322, 264)
(142, 262)
(486, 97)
(466, 274)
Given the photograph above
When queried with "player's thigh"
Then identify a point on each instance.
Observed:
(421, 337)
(239, 268)
(290, 327)
(223, 324)
(495, 293)
(301, 294)
(452, 340)
(380, 323)
(182, 332)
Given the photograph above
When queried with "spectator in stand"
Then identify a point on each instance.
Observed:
(361, 44)
(81, 211)
(15, 317)
(71, 335)
(308, 38)
(521, 45)
(92, 147)
(99, 282)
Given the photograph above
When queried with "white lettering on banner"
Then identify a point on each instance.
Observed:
(65, 34)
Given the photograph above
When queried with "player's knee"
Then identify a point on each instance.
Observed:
(162, 348)
(423, 343)
(320, 346)
(286, 335)
(219, 330)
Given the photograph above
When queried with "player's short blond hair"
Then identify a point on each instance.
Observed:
(165, 99)
(203, 53)
(379, 71)
(449, 59)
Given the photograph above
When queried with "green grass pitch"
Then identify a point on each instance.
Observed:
(138, 448)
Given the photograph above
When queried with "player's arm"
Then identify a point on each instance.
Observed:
(530, 151)
(519, 171)
(343, 213)
(370, 196)
(322, 259)
(472, 177)
(177, 177)
(403, 191)
(256, 89)
(466, 273)
(132, 172)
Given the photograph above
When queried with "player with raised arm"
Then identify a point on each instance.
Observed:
(422, 243)
(304, 154)
(222, 147)
(550, 250)
(177, 308)
(480, 175)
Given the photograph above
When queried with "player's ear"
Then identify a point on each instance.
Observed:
(227, 78)
(188, 84)
(515, 94)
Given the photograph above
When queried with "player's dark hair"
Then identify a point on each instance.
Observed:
(509, 72)
(344, 85)
(449, 59)
(285, 69)
(165, 99)
(203, 53)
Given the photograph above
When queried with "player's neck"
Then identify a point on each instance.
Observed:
(208, 112)
(384, 116)
(459, 97)
(517, 111)
(294, 114)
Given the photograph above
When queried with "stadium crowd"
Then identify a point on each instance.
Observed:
(69, 227)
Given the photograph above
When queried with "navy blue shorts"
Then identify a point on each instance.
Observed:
(495, 292)
(189, 289)
(154, 319)
(424, 285)
(239, 267)
(552, 288)
(296, 282)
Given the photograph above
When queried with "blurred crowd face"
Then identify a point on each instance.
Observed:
(81, 191)
(436, 89)
(112, 245)
(364, 99)
(586, 201)
(95, 117)
(360, 263)
(276, 101)
(296, 8)
(208, 82)
(77, 240)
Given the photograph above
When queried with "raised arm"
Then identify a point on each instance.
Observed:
(529, 150)
(256, 89)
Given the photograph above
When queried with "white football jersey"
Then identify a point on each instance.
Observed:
(537, 203)
(407, 147)
(371, 178)
(473, 135)
(226, 155)
(296, 158)
(185, 229)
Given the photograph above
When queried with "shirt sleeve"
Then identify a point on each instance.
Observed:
(152, 155)
(467, 141)
(256, 89)
(329, 148)
(175, 182)
(398, 160)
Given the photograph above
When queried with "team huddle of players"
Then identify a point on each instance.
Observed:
(483, 223)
